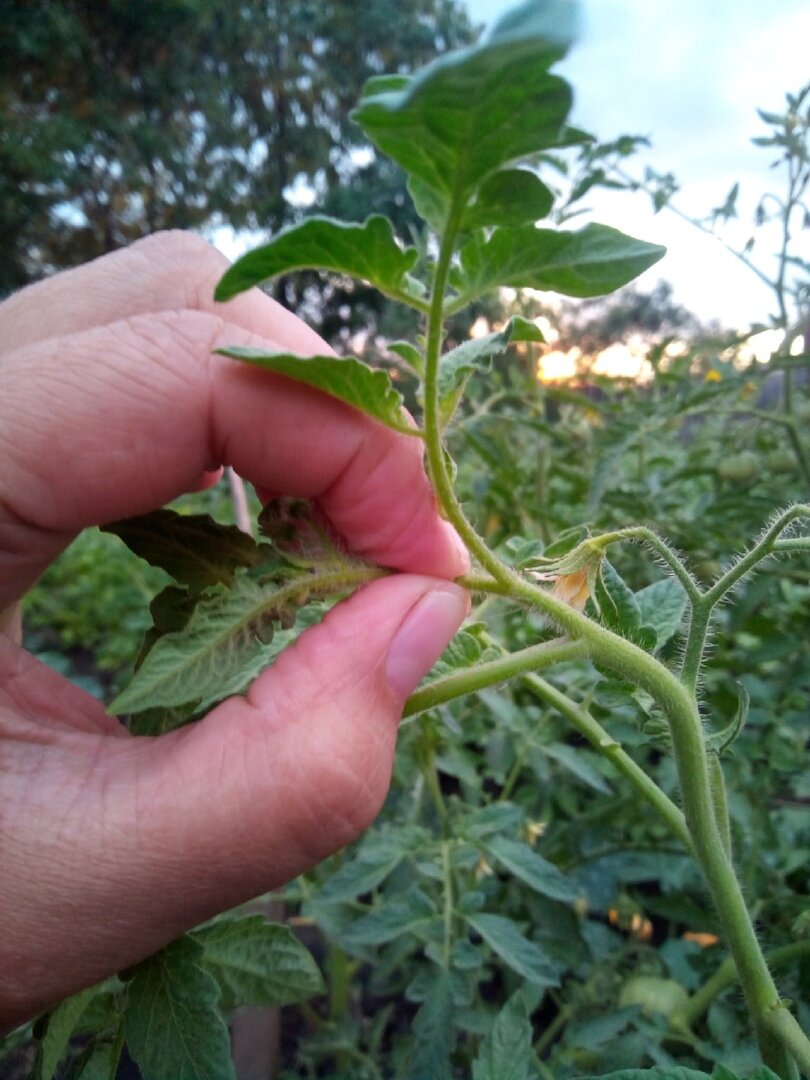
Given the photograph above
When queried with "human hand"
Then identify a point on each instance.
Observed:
(112, 404)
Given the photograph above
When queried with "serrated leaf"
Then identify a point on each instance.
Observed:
(588, 262)
(404, 915)
(373, 862)
(433, 1034)
(539, 874)
(579, 763)
(509, 197)
(226, 634)
(256, 962)
(193, 548)
(367, 389)
(174, 1030)
(506, 1053)
(62, 1022)
(661, 606)
(477, 354)
(470, 112)
(517, 951)
(368, 251)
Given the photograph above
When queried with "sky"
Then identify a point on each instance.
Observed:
(689, 74)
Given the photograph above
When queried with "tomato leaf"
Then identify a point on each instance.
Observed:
(509, 197)
(256, 962)
(517, 951)
(535, 871)
(477, 355)
(587, 262)
(367, 389)
(369, 252)
(193, 548)
(471, 112)
(506, 1052)
(59, 1029)
(174, 1030)
(433, 1034)
(661, 606)
(225, 636)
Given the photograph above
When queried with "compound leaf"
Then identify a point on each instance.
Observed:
(471, 112)
(369, 252)
(506, 1052)
(525, 957)
(367, 389)
(174, 1029)
(587, 262)
(539, 874)
(256, 962)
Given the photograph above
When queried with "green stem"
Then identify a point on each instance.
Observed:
(720, 801)
(726, 976)
(490, 673)
(629, 661)
(763, 547)
(667, 554)
(702, 608)
(601, 741)
(447, 878)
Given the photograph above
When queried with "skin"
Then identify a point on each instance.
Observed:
(112, 404)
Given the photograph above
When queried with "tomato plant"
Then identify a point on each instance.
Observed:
(504, 899)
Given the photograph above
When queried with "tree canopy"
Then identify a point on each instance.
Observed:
(119, 119)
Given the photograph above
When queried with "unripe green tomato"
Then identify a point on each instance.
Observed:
(654, 994)
(739, 468)
(781, 461)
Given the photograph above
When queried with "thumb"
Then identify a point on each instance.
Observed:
(265, 787)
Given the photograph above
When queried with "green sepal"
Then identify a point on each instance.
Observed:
(367, 251)
(346, 378)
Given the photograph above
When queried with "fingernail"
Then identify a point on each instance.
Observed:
(423, 637)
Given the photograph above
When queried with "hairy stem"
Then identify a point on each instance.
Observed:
(629, 661)
(601, 741)
(490, 673)
(726, 976)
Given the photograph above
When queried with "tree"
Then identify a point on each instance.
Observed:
(119, 119)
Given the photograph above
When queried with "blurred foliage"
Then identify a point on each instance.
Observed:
(118, 119)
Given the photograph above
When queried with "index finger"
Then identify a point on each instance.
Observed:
(120, 419)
